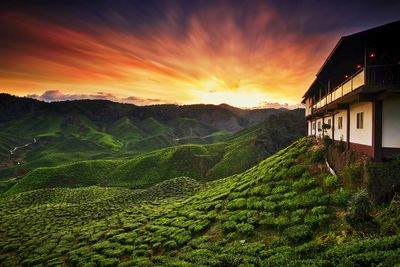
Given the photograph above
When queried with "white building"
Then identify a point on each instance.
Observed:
(356, 94)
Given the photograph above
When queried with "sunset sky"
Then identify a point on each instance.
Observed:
(244, 53)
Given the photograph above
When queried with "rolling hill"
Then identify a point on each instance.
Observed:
(284, 211)
(201, 162)
(70, 131)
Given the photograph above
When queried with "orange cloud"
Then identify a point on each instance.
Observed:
(214, 61)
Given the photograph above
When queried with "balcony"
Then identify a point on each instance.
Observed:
(354, 82)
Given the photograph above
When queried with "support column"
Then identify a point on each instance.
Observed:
(333, 128)
(377, 130)
(348, 128)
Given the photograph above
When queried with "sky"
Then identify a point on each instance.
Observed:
(243, 53)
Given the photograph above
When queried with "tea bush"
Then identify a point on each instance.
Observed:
(274, 214)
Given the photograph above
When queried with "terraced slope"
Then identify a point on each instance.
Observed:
(281, 212)
(201, 162)
(71, 131)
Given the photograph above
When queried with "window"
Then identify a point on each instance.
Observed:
(319, 126)
(340, 123)
(313, 126)
(329, 122)
(360, 120)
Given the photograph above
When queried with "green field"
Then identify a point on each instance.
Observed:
(204, 162)
(285, 211)
(72, 131)
(79, 154)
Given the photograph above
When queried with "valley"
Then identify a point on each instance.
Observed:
(139, 146)
(106, 190)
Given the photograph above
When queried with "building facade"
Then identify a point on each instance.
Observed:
(355, 97)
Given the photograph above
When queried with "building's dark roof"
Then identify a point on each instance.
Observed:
(351, 50)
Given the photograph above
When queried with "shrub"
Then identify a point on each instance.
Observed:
(304, 183)
(318, 210)
(314, 220)
(384, 179)
(281, 222)
(104, 245)
(198, 226)
(352, 173)
(266, 218)
(228, 226)
(182, 238)
(299, 212)
(201, 241)
(171, 244)
(280, 189)
(327, 141)
(318, 155)
(245, 228)
(269, 205)
(114, 252)
(331, 180)
(109, 262)
(254, 203)
(360, 207)
(237, 203)
(298, 233)
(296, 171)
(341, 196)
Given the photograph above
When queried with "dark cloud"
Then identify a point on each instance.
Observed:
(144, 16)
(179, 50)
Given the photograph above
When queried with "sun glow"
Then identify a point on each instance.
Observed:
(237, 99)
(214, 61)
(217, 91)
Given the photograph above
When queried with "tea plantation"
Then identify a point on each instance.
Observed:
(285, 211)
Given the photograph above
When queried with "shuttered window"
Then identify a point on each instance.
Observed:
(360, 120)
(340, 123)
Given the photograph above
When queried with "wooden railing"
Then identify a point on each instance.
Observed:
(354, 82)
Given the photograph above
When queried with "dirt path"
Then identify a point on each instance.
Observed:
(19, 147)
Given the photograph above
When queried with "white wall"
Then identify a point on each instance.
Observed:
(361, 136)
(341, 133)
(391, 122)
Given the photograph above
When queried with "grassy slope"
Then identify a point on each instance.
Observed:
(58, 141)
(62, 140)
(202, 162)
(142, 171)
(281, 208)
(88, 129)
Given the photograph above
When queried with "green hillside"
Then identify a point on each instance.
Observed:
(73, 131)
(285, 211)
(201, 162)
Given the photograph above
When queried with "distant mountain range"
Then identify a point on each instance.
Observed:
(219, 139)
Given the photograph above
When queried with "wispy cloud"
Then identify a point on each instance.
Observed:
(58, 95)
(184, 51)
(279, 105)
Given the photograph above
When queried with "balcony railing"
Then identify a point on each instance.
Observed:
(354, 82)
(377, 75)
